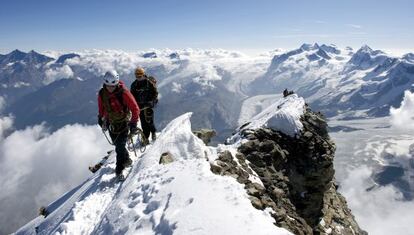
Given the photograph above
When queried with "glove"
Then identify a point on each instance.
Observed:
(132, 127)
(102, 123)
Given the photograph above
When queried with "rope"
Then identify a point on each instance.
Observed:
(133, 145)
(107, 137)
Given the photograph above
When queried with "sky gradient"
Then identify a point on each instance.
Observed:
(238, 25)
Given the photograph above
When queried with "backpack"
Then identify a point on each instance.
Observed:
(147, 93)
(153, 82)
(119, 97)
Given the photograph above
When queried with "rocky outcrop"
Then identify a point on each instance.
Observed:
(166, 158)
(296, 177)
(205, 135)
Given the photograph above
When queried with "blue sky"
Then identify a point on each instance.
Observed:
(239, 25)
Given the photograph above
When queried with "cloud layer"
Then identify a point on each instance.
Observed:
(37, 167)
(381, 211)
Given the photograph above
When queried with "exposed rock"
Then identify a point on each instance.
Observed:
(43, 211)
(297, 176)
(256, 203)
(166, 158)
(215, 169)
(205, 135)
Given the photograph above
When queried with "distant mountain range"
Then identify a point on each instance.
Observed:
(342, 82)
(210, 83)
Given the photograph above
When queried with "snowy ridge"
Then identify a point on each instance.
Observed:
(183, 197)
(284, 115)
(254, 105)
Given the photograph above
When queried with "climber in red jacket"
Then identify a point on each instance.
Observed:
(118, 113)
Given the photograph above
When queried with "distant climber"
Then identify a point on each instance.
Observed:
(118, 113)
(144, 89)
(287, 93)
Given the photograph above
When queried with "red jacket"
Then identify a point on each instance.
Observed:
(129, 100)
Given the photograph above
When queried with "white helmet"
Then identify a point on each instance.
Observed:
(111, 78)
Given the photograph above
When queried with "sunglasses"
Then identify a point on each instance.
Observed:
(112, 82)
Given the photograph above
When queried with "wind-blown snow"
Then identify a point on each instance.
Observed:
(183, 197)
(283, 116)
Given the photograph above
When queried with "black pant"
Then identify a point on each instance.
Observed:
(122, 155)
(147, 121)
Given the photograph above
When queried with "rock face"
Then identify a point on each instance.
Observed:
(205, 135)
(297, 176)
(166, 158)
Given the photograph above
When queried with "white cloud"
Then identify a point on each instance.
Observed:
(37, 167)
(54, 74)
(5, 124)
(99, 61)
(403, 117)
(379, 211)
(203, 65)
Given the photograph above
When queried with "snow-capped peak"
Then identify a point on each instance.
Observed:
(30, 57)
(330, 48)
(307, 46)
(366, 58)
(365, 49)
(14, 56)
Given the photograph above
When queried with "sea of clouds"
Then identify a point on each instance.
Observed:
(383, 210)
(38, 167)
(380, 211)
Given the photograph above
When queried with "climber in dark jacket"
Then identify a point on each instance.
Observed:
(144, 89)
(118, 112)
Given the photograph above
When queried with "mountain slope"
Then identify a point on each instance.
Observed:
(205, 191)
(184, 197)
(21, 73)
